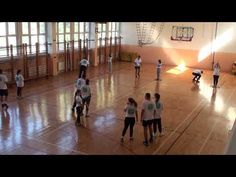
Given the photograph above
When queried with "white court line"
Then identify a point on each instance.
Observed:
(42, 141)
(203, 145)
(172, 133)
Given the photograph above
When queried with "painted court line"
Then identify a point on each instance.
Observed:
(172, 133)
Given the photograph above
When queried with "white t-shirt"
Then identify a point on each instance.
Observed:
(137, 62)
(3, 80)
(216, 71)
(159, 108)
(85, 91)
(80, 82)
(110, 59)
(78, 101)
(149, 107)
(19, 80)
(84, 62)
(159, 65)
(130, 110)
(197, 71)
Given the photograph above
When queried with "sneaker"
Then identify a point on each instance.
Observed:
(151, 140)
(145, 143)
(87, 115)
(131, 139)
(77, 123)
(121, 140)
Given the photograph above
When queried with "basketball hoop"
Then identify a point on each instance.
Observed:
(148, 32)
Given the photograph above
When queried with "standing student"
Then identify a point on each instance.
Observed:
(86, 96)
(159, 65)
(79, 105)
(197, 75)
(3, 89)
(131, 114)
(216, 74)
(110, 63)
(157, 118)
(137, 65)
(80, 82)
(19, 83)
(84, 63)
(147, 116)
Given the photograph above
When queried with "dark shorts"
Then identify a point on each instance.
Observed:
(155, 121)
(137, 67)
(86, 100)
(147, 122)
(3, 92)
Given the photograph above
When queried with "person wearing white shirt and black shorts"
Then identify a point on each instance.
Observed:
(216, 74)
(147, 116)
(19, 83)
(130, 114)
(159, 65)
(86, 96)
(110, 63)
(83, 67)
(3, 89)
(157, 118)
(137, 65)
(197, 75)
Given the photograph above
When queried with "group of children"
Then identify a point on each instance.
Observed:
(137, 66)
(216, 74)
(150, 117)
(82, 98)
(4, 89)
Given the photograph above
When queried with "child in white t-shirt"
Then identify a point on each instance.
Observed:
(79, 106)
(147, 116)
(216, 74)
(137, 65)
(157, 118)
(79, 83)
(131, 114)
(19, 83)
(110, 63)
(3, 89)
(159, 65)
(86, 96)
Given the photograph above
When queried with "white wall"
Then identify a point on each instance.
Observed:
(204, 34)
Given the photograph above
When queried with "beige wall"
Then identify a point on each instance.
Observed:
(173, 56)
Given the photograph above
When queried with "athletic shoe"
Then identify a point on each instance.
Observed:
(77, 123)
(151, 140)
(87, 115)
(145, 143)
(131, 139)
(121, 140)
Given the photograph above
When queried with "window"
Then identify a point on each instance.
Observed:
(33, 32)
(7, 38)
(101, 33)
(63, 34)
(81, 31)
(114, 30)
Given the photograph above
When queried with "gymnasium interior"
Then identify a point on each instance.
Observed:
(197, 118)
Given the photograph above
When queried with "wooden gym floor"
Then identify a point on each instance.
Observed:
(196, 119)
